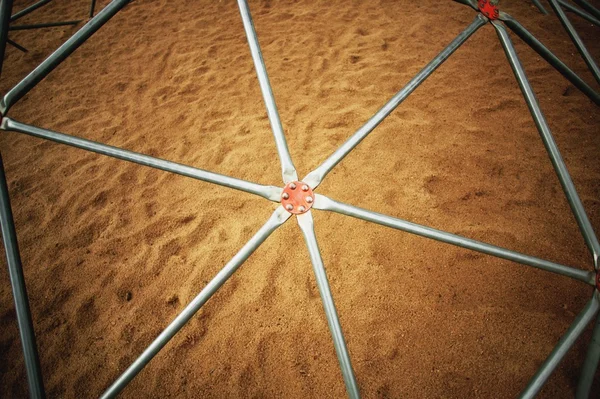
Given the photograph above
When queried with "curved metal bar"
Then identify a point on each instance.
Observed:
(287, 166)
(269, 192)
(59, 55)
(553, 152)
(585, 54)
(306, 223)
(552, 59)
(314, 178)
(277, 219)
(561, 349)
(327, 204)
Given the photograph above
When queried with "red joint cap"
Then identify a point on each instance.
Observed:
(489, 8)
(297, 197)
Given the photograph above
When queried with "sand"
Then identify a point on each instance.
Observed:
(113, 251)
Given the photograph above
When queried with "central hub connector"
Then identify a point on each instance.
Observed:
(297, 197)
(489, 8)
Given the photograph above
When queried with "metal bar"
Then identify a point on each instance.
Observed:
(5, 10)
(581, 13)
(314, 178)
(470, 3)
(60, 54)
(552, 59)
(306, 223)
(17, 281)
(561, 349)
(588, 7)
(590, 364)
(559, 165)
(27, 10)
(277, 219)
(587, 57)
(16, 45)
(92, 8)
(269, 192)
(327, 204)
(287, 166)
(43, 25)
(540, 7)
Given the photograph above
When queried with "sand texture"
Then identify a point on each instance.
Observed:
(113, 251)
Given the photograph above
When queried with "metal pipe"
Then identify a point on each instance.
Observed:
(587, 57)
(59, 55)
(92, 8)
(553, 152)
(588, 370)
(470, 3)
(28, 10)
(277, 219)
(306, 223)
(588, 7)
(287, 166)
(43, 25)
(581, 13)
(17, 282)
(552, 59)
(327, 204)
(16, 45)
(269, 192)
(540, 7)
(561, 349)
(5, 10)
(314, 178)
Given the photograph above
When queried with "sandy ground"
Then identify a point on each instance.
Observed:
(113, 251)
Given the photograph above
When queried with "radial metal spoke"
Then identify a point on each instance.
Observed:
(540, 7)
(29, 9)
(59, 55)
(570, 7)
(590, 365)
(305, 221)
(92, 8)
(17, 281)
(552, 59)
(314, 178)
(327, 204)
(44, 25)
(277, 219)
(470, 3)
(287, 166)
(587, 57)
(559, 165)
(5, 10)
(17, 45)
(561, 349)
(588, 7)
(269, 192)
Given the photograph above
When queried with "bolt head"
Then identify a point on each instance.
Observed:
(309, 200)
(285, 196)
(293, 186)
(301, 208)
(289, 207)
(304, 187)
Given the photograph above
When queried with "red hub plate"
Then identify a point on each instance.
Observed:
(297, 197)
(488, 9)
